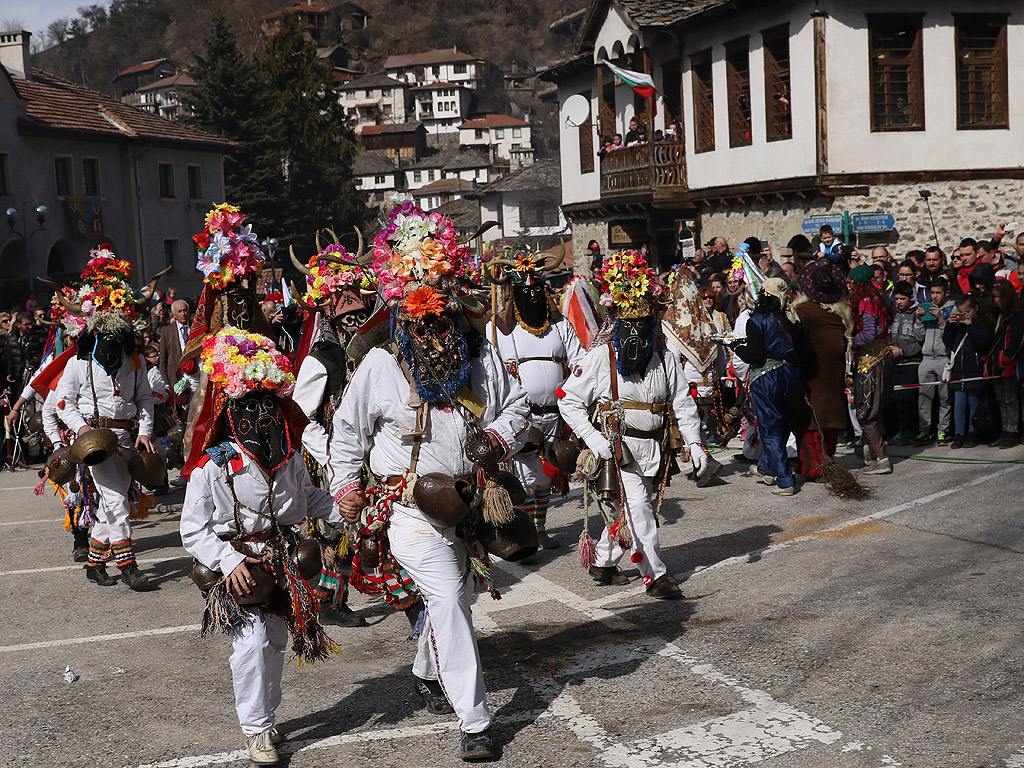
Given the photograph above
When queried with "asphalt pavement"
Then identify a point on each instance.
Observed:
(815, 632)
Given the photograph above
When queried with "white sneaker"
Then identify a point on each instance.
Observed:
(262, 750)
(766, 479)
(178, 482)
(880, 467)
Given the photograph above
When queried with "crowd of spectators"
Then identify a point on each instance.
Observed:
(638, 135)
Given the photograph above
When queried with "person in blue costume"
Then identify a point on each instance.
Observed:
(770, 350)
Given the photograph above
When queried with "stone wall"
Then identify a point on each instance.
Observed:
(585, 230)
(961, 209)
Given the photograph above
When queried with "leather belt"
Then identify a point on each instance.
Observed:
(249, 538)
(538, 410)
(104, 423)
(632, 405)
(559, 360)
(644, 434)
(392, 480)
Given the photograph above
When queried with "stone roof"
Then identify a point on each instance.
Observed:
(182, 81)
(444, 185)
(437, 56)
(375, 130)
(464, 213)
(372, 165)
(57, 107)
(494, 121)
(375, 80)
(453, 160)
(542, 175)
(650, 13)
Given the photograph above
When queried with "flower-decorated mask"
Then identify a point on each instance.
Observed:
(108, 350)
(259, 428)
(531, 305)
(634, 344)
(436, 352)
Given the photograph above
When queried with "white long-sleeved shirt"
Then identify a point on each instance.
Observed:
(540, 378)
(740, 329)
(157, 384)
(51, 422)
(662, 382)
(125, 395)
(208, 511)
(308, 394)
(375, 411)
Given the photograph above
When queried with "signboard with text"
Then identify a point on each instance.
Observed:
(812, 224)
(873, 222)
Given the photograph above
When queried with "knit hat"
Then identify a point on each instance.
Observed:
(863, 274)
(822, 281)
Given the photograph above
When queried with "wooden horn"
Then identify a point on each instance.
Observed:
(495, 274)
(483, 228)
(295, 261)
(360, 250)
(552, 266)
(152, 288)
(319, 248)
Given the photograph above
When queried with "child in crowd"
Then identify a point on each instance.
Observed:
(934, 358)
(967, 337)
(1004, 361)
(905, 339)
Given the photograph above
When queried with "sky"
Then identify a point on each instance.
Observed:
(36, 16)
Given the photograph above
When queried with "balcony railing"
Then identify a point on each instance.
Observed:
(661, 164)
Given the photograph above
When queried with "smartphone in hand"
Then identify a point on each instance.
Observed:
(929, 315)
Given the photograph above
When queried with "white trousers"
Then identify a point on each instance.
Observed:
(112, 481)
(640, 515)
(529, 470)
(256, 667)
(447, 650)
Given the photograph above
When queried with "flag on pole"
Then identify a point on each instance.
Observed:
(641, 83)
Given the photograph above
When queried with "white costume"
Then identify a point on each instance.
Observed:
(662, 382)
(308, 395)
(208, 515)
(370, 422)
(124, 396)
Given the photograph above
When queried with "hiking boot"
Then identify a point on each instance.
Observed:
(136, 579)
(433, 696)
(340, 615)
(784, 491)
(262, 750)
(476, 746)
(971, 440)
(710, 472)
(609, 576)
(957, 444)
(922, 438)
(880, 467)
(545, 541)
(663, 588)
(1008, 440)
(98, 573)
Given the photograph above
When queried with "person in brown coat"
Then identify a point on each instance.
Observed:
(828, 326)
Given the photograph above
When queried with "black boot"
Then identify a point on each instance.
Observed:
(134, 578)
(476, 746)
(98, 573)
(340, 615)
(545, 541)
(433, 696)
(80, 552)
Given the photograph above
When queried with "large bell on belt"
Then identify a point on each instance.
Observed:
(308, 558)
(176, 434)
(203, 577)
(516, 492)
(565, 454)
(94, 447)
(259, 592)
(534, 441)
(60, 467)
(511, 542)
(35, 422)
(608, 480)
(443, 498)
(148, 468)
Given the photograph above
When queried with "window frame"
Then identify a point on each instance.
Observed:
(517, 133)
(5, 175)
(703, 106)
(585, 139)
(999, 74)
(66, 161)
(876, 23)
(160, 166)
(499, 133)
(198, 187)
(171, 255)
(98, 189)
(778, 123)
(737, 89)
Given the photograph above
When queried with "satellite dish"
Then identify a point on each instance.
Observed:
(576, 110)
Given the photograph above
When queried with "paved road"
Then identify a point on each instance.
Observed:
(815, 633)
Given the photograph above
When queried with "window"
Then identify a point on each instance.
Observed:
(737, 81)
(165, 172)
(436, 71)
(777, 95)
(499, 133)
(479, 133)
(459, 69)
(387, 109)
(170, 252)
(5, 174)
(385, 93)
(703, 102)
(585, 134)
(195, 182)
(62, 175)
(897, 72)
(380, 179)
(350, 95)
(981, 75)
(430, 175)
(539, 213)
(417, 176)
(91, 176)
(517, 133)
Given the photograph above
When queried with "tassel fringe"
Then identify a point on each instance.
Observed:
(588, 550)
(40, 490)
(222, 613)
(498, 509)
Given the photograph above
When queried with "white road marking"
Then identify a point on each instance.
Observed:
(79, 566)
(32, 522)
(99, 638)
(1016, 760)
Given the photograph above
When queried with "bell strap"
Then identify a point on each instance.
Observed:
(633, 405)
(559, 360)
(644, 434)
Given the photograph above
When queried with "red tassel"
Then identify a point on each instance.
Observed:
(40, 490)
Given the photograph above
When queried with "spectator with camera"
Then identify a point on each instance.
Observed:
(967, 337)
(906, 338)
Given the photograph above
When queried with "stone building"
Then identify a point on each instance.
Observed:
(792, 111)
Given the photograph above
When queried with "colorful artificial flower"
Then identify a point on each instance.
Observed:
(424, 301)
(626, 280)
(227, 248)
(240, 362)
(328, 278)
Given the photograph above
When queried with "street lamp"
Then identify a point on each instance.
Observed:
(41, 212)
(269, 246)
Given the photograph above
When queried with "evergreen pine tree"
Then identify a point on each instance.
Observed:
(231, 101)
(319, 146)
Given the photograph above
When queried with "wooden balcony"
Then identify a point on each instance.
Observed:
(646, 167)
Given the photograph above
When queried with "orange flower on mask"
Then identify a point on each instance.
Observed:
(424, 301)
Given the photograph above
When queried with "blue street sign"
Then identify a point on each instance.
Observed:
(873, 222)
(813, 223)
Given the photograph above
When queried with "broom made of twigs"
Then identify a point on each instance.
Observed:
(839, 480)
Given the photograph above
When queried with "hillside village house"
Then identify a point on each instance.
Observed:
(442, 106)
(437, 66)
(525, 203)
(500, 135)
(791, 110)
(374, 100)
(79, 168)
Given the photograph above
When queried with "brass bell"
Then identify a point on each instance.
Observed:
(627, 455)
(94, 447)
(608, 480)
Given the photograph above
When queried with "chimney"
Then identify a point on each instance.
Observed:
(14, 55)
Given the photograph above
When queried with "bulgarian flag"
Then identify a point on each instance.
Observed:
(642, 84)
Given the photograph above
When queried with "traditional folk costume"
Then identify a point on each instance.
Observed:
(336, 303)
(539, 348)
(419, 411)
(106, 387)
(827, 326)
(638, 388)
(872, 365)
(243, 503)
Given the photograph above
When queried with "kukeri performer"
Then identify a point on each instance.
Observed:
(413, 410)
(636, 383)
(243, 503)
(105, 387)
(336, 288)
(539, 348)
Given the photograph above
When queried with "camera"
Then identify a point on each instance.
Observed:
(710, 243)
(925, 194)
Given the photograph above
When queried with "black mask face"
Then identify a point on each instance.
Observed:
(531, 306)
(108, 349)
(634, 344)
(258, 427)
(238, 309)
(437, 354)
